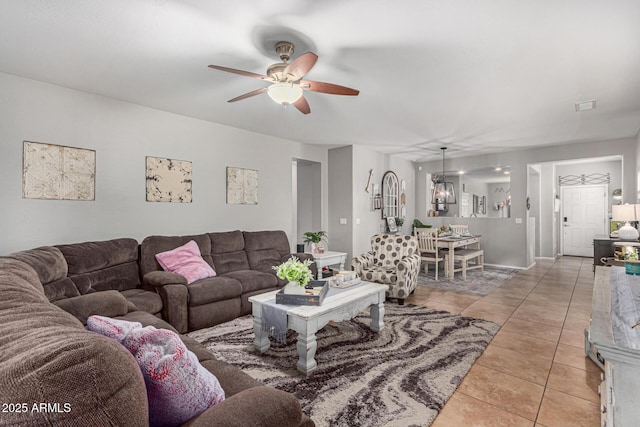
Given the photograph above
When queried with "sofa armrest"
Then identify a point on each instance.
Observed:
(362, 262)
(105, 303)
(155, 279)
(175, 299)
(261, 406)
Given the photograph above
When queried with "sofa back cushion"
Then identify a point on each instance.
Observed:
(266, 249)
(104, 265)
(48, 357)
(153, 245)
(51, 268)
(228, 252)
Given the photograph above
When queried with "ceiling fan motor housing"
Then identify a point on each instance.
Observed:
(284, 50)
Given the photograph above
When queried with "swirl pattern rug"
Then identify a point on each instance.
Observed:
(400, 377)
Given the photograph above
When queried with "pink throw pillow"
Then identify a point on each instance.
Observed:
(178, 386)
(186, 261)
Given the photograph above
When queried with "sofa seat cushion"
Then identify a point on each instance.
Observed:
(213, 289)
(380, 274)
(253, 280)
(178, 386)
(148, 301)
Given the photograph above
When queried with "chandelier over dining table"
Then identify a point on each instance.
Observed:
(443, 191)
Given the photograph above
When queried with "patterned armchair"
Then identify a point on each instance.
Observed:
(393, 260)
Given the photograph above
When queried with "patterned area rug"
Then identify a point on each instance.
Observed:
(400, 377)
(478, 282)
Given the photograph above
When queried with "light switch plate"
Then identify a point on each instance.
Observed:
(343, 221)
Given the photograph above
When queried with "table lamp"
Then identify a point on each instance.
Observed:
(626, 213)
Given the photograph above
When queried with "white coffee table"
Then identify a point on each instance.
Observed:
(306, 320)
(328, 258)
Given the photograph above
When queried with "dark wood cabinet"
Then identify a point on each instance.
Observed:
(602, 247)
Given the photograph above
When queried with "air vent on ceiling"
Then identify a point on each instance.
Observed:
(585, 105)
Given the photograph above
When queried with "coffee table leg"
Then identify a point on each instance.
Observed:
(307, 346)
(377, 316)
(261, 342)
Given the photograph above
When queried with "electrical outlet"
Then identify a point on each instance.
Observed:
(518, 220)
(343, 221)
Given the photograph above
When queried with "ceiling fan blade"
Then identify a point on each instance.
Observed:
(248, 94)
(240, 72)
(329, 88)
(302, 105)
(301, 65)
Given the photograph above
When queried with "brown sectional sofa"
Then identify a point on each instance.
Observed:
(85, 379)
(47, 293)
(242, 262)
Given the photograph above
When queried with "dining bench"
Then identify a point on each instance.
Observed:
(464, 256)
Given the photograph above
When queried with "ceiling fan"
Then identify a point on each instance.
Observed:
(287, 85)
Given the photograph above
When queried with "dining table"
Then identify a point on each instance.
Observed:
(452, 242)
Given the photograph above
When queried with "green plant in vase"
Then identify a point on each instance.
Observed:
(314, 239)
(297, 273)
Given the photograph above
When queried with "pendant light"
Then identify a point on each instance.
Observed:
(443, 192)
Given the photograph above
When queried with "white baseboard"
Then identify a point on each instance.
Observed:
(505, 266)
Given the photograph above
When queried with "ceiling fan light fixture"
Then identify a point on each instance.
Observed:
(285, 93)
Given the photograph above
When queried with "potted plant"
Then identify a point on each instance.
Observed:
(315, 239)
(296, 272)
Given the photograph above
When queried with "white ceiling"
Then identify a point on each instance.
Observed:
(478, 76)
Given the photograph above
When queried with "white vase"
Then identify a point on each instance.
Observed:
(294, 288)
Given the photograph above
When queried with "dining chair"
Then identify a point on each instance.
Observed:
(429, 250)
(459, 229)
(463, 230)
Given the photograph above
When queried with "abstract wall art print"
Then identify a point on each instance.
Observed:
(242, 186)
(168, 180)
(56, 172)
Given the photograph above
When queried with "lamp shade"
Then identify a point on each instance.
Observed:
(285, 93)
(624, 212)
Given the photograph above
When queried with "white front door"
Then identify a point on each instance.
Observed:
(583, 215)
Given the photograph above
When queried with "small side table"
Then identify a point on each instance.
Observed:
(329, 258)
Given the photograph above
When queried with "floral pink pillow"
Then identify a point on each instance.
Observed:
(186, 261)
(178, 386)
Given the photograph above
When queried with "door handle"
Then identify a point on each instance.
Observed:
(566, 225)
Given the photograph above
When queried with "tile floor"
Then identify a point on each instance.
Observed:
(534, 372)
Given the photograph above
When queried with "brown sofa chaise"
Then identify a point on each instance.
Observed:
(243, 264)
(82, 378)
